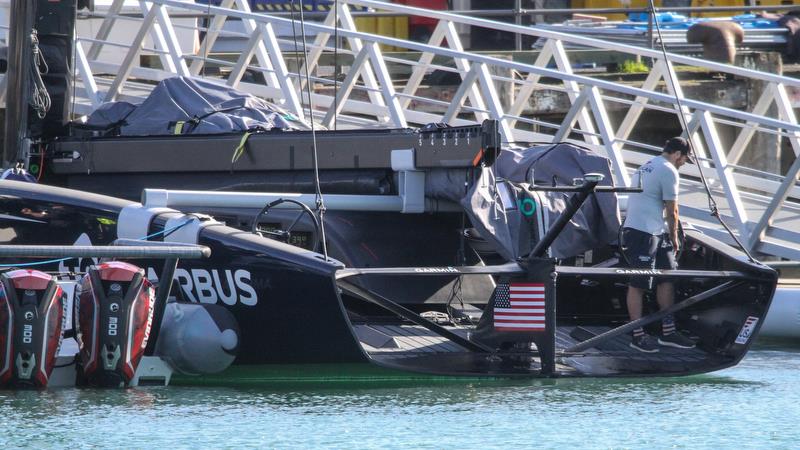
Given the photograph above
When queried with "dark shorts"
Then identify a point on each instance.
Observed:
(645, 251)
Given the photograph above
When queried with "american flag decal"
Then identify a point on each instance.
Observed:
(519, 307)
(748, 329)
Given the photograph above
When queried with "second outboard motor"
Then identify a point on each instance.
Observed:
(114, 313)
(32, 321)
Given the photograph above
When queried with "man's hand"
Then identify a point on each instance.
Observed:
(676, 245)
(671, 209)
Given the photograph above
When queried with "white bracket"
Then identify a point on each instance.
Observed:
(152, 371)
(187, 233)
(134, 220)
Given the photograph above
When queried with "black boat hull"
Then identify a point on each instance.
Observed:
(291, 309)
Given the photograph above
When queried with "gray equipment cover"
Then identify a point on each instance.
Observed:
(491, 203)
(208, 108)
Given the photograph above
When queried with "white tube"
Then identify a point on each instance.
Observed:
(257, 200)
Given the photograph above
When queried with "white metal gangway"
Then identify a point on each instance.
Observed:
(763, 208)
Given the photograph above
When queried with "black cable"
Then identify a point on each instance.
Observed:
(319, 199)
(712, 203)
(461, 260)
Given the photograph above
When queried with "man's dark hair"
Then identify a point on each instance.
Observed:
(676, 144)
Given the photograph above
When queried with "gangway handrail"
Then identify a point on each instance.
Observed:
(491, 24)
(598, 43)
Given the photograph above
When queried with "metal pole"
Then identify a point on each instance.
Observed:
(21, 21)
(574, 204)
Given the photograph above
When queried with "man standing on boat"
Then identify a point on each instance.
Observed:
(649, 244)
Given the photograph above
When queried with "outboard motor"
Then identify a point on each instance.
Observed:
(32, 321)
(197, 338)
(114, 313)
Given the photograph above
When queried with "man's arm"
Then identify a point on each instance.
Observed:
(671, 210)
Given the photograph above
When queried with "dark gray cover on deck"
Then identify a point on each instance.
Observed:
(214, 108)
(596, 224)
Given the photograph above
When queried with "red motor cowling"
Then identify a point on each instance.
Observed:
(32, 321)
(114, 312)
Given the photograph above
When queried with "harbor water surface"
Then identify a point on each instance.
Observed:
(753, 405)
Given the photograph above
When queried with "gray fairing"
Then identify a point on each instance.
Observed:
(595, 225)
(208, 108)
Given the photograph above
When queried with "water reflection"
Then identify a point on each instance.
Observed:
(588, 412)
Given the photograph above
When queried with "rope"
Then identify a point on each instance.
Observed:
(712, 203)
(239, 150)
(166, 232)
(40, 99)
(319, 199)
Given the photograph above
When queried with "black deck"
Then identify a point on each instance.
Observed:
(416, 348)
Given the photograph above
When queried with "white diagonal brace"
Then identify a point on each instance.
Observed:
(786, 113)
(609, 141)
(85, 72)
(173, 46)
(418, 73)
(238, 70)
(778, 199)
(529, 85)
(212, 33)
(319, 46)
(105, 28)
(387, 85)
(725, 173)
(262, 56)
(159, 41)
(345, 89)
(674, 88)
(290, 99)
(458, 99)
(367, 75)
(493, 101)
(750, 128)
(584, 120)
(572, 116)
(636, 109)
(473, 93)
(133, 52)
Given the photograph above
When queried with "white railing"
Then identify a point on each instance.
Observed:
(371, 95)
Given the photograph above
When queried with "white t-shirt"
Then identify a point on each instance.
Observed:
(659, 183)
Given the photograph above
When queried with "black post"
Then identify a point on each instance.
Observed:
(162, 296)
(575, 203)
(542, 270)
(21, 21)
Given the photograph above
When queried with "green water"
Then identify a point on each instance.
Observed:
(754, 405)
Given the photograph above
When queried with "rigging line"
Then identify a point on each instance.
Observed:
(165, 232)
(294, 38)
(712, 203)
(320, 199)
(336, 65)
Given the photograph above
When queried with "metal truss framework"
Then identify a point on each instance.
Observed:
(369, 96)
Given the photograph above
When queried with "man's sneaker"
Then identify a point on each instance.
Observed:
(644, 343)
(676, 340)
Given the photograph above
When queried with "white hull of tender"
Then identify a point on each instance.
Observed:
(783, 318)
